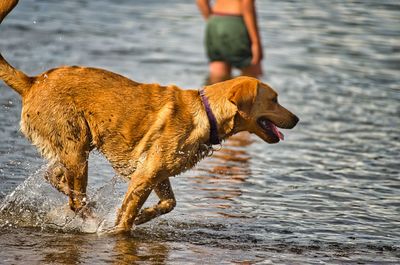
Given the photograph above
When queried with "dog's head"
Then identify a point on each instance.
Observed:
(257, 109)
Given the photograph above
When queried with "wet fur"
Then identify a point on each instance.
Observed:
(148, 132)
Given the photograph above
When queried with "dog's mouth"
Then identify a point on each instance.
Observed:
(270, 129)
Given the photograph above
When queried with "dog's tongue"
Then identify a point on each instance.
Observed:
(277, 132)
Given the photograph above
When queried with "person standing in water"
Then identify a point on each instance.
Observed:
(232, 38)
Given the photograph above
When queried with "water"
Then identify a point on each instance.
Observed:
(329, 194)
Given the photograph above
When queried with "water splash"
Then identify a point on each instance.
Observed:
(35, 203)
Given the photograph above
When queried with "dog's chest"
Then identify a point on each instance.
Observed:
(185, 159)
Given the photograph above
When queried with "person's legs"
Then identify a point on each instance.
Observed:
(253, 70)
(219, 71)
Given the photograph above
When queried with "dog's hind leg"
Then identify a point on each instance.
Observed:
(68, 145)
(56, 175)
(70, 178)
(166, 204)
(76, 174)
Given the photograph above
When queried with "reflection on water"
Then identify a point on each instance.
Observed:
(328, 194)
(129, 251)
(222, 177)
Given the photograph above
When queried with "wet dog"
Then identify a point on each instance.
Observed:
(148, 132)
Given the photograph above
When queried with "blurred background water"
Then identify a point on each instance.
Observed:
(329, 194)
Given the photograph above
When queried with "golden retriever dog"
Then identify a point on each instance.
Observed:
(148, 132)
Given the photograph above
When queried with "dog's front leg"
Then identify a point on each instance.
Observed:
(139, 189)
(165, 205)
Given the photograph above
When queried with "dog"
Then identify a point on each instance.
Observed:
(148, 132)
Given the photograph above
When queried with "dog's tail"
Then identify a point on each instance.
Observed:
(16, 79)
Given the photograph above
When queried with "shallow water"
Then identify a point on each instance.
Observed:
(329, 194)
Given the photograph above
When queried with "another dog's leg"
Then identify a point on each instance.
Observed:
(139, 190)
(55, 174)
(165, 205)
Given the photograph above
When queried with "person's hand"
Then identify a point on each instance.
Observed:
(257, 56)
(257, 53)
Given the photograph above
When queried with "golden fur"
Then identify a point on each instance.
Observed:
(148, 132)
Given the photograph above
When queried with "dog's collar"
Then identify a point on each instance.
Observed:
(214, 139)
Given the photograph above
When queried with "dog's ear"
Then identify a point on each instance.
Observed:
(243, 94)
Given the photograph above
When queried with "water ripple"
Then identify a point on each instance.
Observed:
(327, 195)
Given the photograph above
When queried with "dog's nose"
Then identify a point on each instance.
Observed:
(295, 120)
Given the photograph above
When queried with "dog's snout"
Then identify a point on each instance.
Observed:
(295, 120)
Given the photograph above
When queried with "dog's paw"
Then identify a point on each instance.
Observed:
(117, 230)
(87, 211)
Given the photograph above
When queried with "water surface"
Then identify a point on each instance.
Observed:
(329, 194)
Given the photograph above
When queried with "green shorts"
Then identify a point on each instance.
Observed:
(227, 40)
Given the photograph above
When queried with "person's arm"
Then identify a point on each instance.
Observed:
(204, 7)
(250, 20)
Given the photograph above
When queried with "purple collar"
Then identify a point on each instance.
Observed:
(211, 118)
